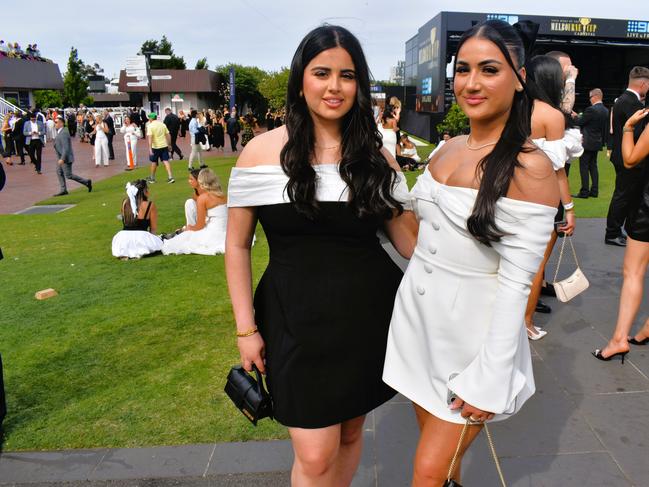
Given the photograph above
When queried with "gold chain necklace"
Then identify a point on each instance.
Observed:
(327, 148)
(480, 146)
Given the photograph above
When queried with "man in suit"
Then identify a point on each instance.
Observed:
(108, 120)
(594, 129)
(34, 132)
(172, 122)
(233, 127)
(65, 158)
(626, 180)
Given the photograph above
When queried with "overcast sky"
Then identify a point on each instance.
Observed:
(263, 33)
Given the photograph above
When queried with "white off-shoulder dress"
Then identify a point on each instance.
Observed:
(458, 314)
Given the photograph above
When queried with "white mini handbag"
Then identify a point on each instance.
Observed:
(573, 285)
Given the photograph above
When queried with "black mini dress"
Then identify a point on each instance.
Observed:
(324, 303)
(637, 221)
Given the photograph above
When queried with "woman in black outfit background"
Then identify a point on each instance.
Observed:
(321, 186)
(636, 254)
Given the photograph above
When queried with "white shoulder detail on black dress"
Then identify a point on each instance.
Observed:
(266, 185)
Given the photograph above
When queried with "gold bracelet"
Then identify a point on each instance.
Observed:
(244, 334)
(628, 129)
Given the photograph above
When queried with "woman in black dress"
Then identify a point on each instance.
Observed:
(321, 187)
(636, 254)
(218, 134)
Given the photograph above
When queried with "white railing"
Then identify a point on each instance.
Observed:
(6, 107)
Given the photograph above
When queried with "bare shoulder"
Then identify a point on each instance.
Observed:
(263, 149)
(448, 147)
(391, 160)
(535, 180)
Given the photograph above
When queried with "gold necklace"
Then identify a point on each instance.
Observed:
(327, 148)
(480, 146)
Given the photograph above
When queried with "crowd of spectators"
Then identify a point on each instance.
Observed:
(14, 50)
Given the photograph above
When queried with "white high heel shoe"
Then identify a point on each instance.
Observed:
(536, 334)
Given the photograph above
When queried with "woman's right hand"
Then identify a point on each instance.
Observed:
(252, 351)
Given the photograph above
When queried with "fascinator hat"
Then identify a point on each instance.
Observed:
(132, 191)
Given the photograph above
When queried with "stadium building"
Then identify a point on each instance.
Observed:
(604, 50)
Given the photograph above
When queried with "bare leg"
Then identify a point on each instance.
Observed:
(327, 457)
(636, 259)
(643, 332)
(537, 283)
(436, 447)
(168, 167)
(349, 453)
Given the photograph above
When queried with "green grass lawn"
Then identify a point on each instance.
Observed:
(130, 353)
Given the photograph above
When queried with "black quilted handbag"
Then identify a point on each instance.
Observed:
(249, 395)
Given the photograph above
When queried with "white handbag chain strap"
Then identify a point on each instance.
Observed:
(574, 253)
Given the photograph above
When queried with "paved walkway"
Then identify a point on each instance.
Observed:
(25, 188)
(587, 425)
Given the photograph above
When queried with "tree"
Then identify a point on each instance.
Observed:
(48, 98)
(247, 81)
(273, 88)
(75, 82)
(202, 64)
(455, 122)
(163, 47)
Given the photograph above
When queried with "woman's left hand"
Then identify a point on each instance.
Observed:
(471, 412)
(569, 227)
(636, 117)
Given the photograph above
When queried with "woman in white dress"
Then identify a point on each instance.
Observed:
(549, 133)
(131, 135)
(140, 220)
(207, 219)
(486, 203)
(101, 142)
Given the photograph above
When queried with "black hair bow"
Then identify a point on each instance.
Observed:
(527, 31)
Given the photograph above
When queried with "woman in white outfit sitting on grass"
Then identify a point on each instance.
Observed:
(207, 219)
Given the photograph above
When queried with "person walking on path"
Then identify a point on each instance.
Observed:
(100, 132)
(233, 128)
(594, 128)
(131, 135)
(172, 122)
(19, 137)
(65, 158)
(626, 179)
(34, 132)
(195, 129)
(636, 255)
(159, 141)
(108, 120)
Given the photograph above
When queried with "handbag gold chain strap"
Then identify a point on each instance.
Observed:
(451, 468)
(574, 253)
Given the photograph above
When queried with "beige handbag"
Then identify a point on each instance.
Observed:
(574, 285)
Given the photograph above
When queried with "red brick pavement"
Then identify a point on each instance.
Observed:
(25, 188)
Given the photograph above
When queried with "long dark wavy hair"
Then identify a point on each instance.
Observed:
(496, 169)
(363, 167)
(545, 83)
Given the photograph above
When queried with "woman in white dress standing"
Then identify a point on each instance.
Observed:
(101, 142)
(131, 135)
(207, 219)
(457, 345)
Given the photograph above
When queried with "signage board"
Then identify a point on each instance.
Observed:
(161, 76)
(166, 57)
(137, 83)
